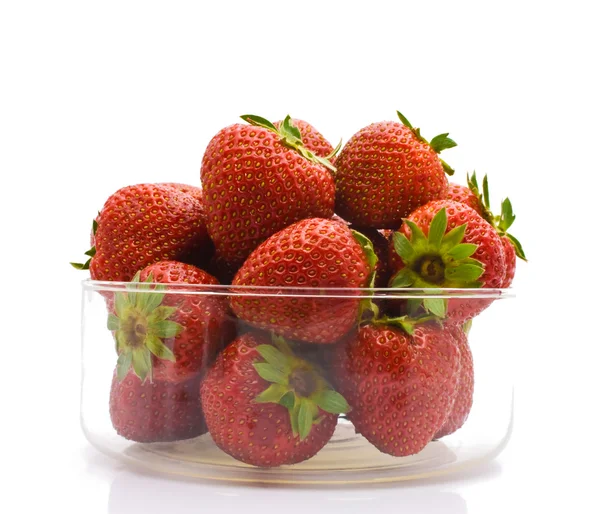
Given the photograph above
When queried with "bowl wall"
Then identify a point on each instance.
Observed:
(347, 457)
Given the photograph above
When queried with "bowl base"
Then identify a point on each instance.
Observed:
(348, 458)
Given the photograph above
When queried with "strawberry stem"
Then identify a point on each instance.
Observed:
(297, 385)
(438, 144)
(290, 136)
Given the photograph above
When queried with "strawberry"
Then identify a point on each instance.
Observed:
(464, 394)
(480, 201)
(267, 407)
(387, 170)
(194, 191)
(259, 179)
(169, 337)
(381, 243)
(400, 386)
(312, 139)
(462, 194)
(446, 244)
(315, 253)
(199, 259)
(510, 257)
(143, 224)
(149, 412)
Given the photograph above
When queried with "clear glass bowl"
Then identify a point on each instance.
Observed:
(347, 457)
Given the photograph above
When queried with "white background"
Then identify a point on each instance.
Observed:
(98, 95)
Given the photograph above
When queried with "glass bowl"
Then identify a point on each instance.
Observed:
(158, 424)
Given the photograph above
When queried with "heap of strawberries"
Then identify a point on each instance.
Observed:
(267, 366)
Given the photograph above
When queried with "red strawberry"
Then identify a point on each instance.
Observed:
(194, 191)
(199, 259)
(464, 395)
(510, 257)
(267, 407)
(480, 201)
(387, 170)
(400, 387)
(462, 194)
(257, 180)
(446, 244)
(381, 243)
(312, 139)
(168, 336)
(315, 253)
(143, 224)
(157, 411)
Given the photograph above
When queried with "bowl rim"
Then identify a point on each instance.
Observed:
(297, 292)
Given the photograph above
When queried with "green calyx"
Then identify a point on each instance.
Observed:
(140, 325)
(369, 251)
(297, 385)
(334, 152)
(407, 323)
(90, 253)
(501, 222)
(367, 308)
(438, 143)
(440, 260)
(290, 136)
(466, 328)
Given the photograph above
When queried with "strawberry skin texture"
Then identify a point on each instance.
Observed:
(194, 191)
(155, 411)
(316, 253)
(383, 173)
(510, 257)
(259, 434)
(490, 251)
(200, 259)
(143, 224)
(311, 137)
(401, 388)
(205, 320)
(466, 382)
(254, 186)
(462, 194)
(381, 243)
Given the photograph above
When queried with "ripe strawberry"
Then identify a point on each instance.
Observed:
(462, 194)
(381, 243)
(400, 386)
(480, 201)
(510, 257)
(267, 407)
(433, 249)
(194, 191)
(314, 253)
(149, 412)
(387, 170)
(464, 391)
(257, 180)
(143, 224)
(199, 259)
(168, 336)
(312, 139)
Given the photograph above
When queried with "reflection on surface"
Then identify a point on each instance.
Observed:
(140, 492)
(133, 491)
